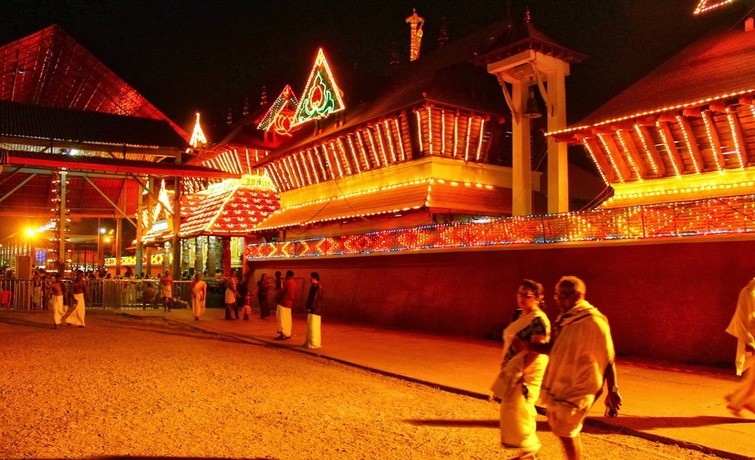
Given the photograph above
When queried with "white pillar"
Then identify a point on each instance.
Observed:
(558, 168)
(521, 181)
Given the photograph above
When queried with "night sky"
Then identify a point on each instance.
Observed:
(208, 56)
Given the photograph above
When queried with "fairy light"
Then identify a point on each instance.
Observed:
(688, 142)
(360, 138)
(466, 142)
(240, 169)
(629, 156)
(321, 96)
(312, 165)
(442, 131)
(291, 183)
(322, 166)
(335, 157)
(354, 158)
(594, 160)
(609, 154)
(669, 147)
(354, 150)
(328, 163)
(380, 142)
(291, 172)
(248, 163)
(297, 172)
(430, 129)
(646, 222)
(737, 135)
(374, 149)
(456, 134)
(479, 140)
(419, 130)
(304, 166)
(646, 148)
(390, 140)
(707, 5)
(400, 139)
(655, 111)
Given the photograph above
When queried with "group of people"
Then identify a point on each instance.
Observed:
(69, 309)
(564, 367)
(285, 293)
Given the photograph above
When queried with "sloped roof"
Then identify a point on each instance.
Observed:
(227, 210)
(720, 63)
(438, 196)
(50, 68)
(63, 124)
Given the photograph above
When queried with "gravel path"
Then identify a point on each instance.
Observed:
(147, 388)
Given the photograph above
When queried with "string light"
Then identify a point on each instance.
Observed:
(390, 140)
(312, 164)
(466, 143)
(353, 154)
(321, 96)
(442, 131)
(595, 160)
(479, 139)
(670, 148)
(400, 138)
(335, 157)
(609, 154)
(737, 136)
(707, 5)
(430, 129)
(688, 142)
(684, 219)
(628, 155)
(380, 142)
(306, 170)
(419, 130)
(648, 154)
(456, 135)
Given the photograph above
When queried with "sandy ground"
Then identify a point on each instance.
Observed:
(143, 387)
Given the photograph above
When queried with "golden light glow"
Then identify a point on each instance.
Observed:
(609, 154)
(595, 161)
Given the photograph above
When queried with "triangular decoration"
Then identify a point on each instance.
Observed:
(197, 137)
(280, 115)
(707, 5)
(321, 96)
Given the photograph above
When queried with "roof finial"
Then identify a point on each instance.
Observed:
(229, 118)
(263, 97)
(246, 107)
(197, 137)
(415, 34)
(527, 15)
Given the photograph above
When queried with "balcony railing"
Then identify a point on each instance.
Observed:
(728, 216)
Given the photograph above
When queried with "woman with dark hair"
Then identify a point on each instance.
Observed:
(522, 369)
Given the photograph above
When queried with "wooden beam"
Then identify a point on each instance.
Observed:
(736, 132)
(91, 147)
(633, 153)
(601, 162)
(648, 145)
(711, 130)
(23, 182)
(691, 142)
(673, 152)
(615, 157)
(107, 198)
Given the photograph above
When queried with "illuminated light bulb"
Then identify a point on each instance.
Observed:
(669, 145)
(609, 154)
(688, 142)
(430, 129)
(466, 142)
(479, 140)
(352, 151)
(456, 134)
(737, 138)
(399, 139)
(419, 130)
(390, 141)
(595, 161)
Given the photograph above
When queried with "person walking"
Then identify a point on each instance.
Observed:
(231, 295)
(581, 361)
(313, 338)
(198, 296)
(57, 300)
(80, 299)
(263, 292)
(36, 291)
(742, 326)
(285, 301)
(518, 382)
(166, 290)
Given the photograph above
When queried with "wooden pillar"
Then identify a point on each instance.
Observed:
(558, 165)
(139, 263)
(225, 256)
(150, 221)
(176, 243)
(118, 244)
(62, 224)
(521, 180)
(198, 259)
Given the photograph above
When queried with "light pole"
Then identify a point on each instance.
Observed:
(100, 256)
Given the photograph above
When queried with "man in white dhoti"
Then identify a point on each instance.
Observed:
(198, 296)
(313, 338)
(57, 300)
(581, 361)
(285, 302)
(742, 326)
(79, 291)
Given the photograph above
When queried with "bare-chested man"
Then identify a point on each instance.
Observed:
(80, 299)
(57, 302)
(166, 290)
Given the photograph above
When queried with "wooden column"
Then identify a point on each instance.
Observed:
(521, 180)
(139, 233)
(176, 228)
(118, 244)
(558, 166)
(62, 222)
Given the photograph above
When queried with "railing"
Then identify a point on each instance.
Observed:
(713, 216)
(106, 294)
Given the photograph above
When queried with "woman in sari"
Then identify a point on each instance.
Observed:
(518, 383)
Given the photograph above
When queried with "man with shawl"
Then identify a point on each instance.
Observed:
(742, 326)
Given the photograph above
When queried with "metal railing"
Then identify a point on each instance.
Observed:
(106, 294)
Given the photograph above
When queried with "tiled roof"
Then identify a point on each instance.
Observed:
(719, 63)
(50, 68)
(60, 124)
(227, 211)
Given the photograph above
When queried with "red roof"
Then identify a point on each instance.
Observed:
(722, 62)
(52, 69)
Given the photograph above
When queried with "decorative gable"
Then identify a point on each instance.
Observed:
(321, 96)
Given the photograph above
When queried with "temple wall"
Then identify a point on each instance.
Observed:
(668, 301)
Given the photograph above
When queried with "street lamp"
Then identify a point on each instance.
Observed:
(100, 256)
